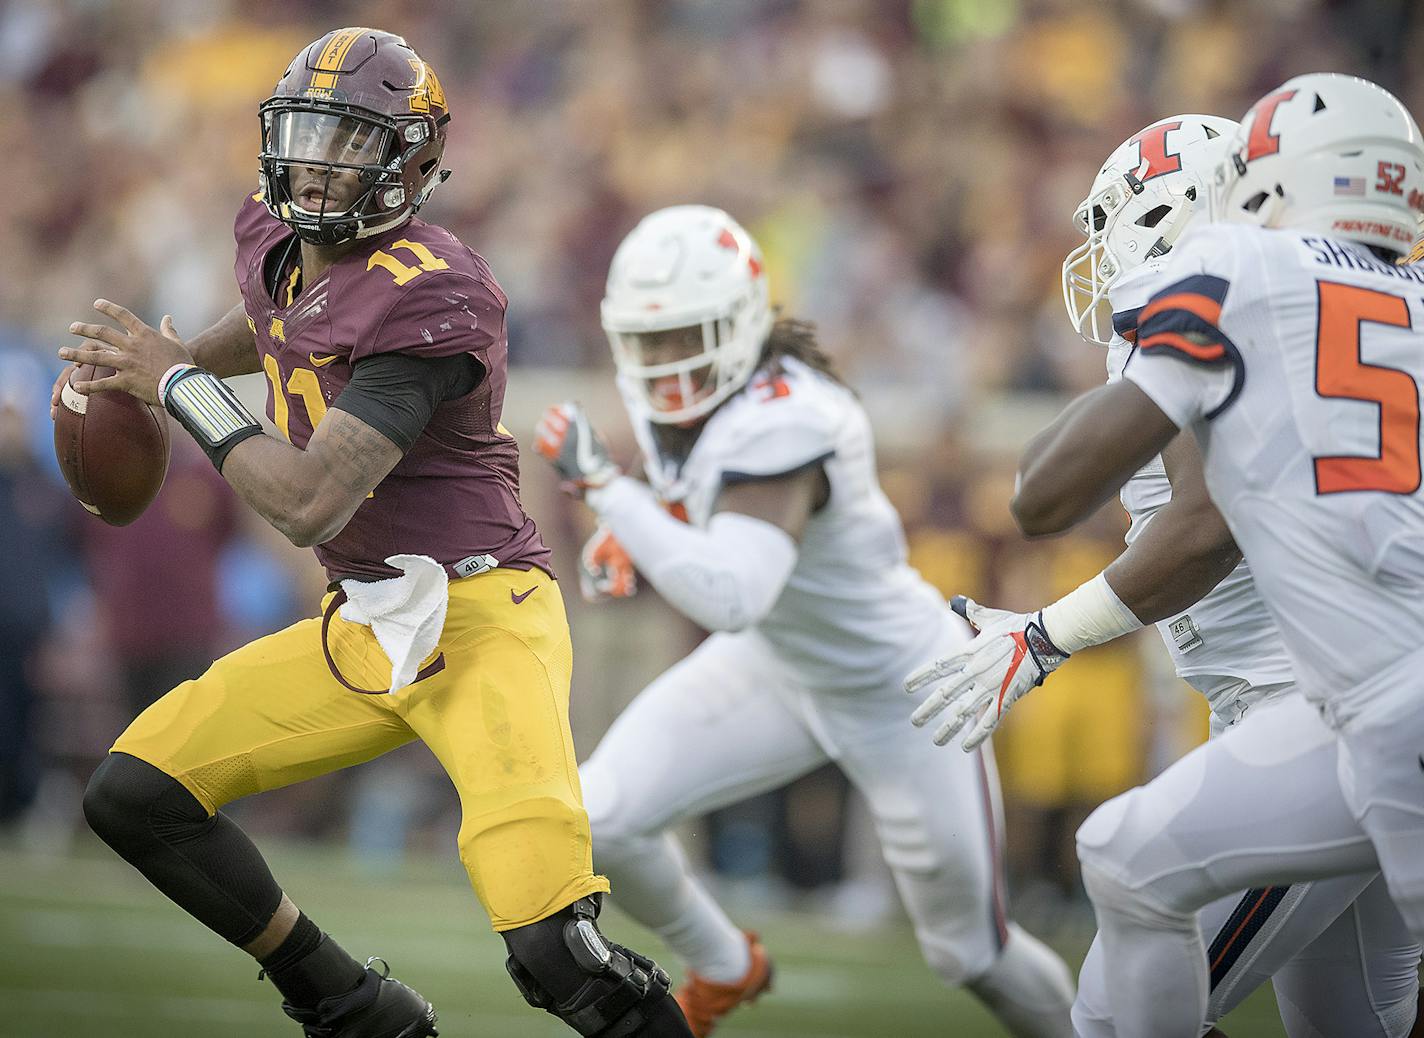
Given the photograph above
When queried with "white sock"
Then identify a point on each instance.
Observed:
(1154, 960)
(653, 882)
(1029, 988)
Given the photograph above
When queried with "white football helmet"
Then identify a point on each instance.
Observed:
(686, 267)
(1148, 190)
(1327, 153)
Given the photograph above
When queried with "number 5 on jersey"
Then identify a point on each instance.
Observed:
(1339, 372)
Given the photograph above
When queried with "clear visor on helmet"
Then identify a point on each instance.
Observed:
(328, 139)
(675, 368)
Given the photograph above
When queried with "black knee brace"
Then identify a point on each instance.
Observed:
(565, 966)
(204, 863)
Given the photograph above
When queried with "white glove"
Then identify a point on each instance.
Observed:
(1011, 654)
(605, 570)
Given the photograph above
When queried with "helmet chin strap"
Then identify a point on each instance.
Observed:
(398, 218)
(435, 182)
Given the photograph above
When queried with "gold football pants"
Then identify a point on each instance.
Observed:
(496, 716)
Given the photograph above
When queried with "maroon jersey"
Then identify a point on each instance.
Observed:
(416, 290)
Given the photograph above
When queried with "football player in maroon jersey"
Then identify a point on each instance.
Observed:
(383, 341)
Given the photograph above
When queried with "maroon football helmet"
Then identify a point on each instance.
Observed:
(361, 102)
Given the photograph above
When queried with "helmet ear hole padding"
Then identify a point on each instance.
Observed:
(1153, 217)
(1254, 203)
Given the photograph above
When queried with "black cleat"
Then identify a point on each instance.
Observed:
(379, 1007)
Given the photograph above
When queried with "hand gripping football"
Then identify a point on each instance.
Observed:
(112, 449)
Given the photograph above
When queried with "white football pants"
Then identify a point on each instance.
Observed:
(1258, 807)
(1341, 960)
(731, 721)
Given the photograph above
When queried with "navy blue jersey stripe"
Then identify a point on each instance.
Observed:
(1209, 285)
(1125, 323)
(1215, 347)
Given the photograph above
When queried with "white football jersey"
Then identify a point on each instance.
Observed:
(1228, 637)
(854, 614)
(1297, 359)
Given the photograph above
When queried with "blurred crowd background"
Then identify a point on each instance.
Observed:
(910, 167)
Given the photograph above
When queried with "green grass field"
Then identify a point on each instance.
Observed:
(88, 948)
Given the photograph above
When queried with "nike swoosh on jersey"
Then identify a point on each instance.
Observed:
(516, 599)
(322, 361)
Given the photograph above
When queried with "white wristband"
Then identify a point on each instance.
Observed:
(1090, 615)
(166, 379)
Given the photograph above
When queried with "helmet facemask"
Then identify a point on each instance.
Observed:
(687, 312)
(356, 105)
(681, 374)
(1126, 223)
(1142, 201)
(301, 136)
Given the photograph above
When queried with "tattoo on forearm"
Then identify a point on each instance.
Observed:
(306, 493)
(357, 454)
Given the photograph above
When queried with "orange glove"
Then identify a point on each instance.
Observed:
(565, 437)
(605, 569)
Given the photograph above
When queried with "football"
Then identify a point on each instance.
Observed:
(112, 449)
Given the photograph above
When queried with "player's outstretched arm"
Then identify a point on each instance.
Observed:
(1086, 456)
(1185, 551)
(1067, 471)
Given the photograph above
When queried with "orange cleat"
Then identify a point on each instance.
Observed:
(704, 1002)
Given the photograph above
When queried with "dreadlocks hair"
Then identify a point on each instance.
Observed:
(797, 340)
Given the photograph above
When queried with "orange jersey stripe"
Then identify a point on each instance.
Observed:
(1208, 309)
(1211, 351)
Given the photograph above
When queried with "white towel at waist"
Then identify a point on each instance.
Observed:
(405, 613)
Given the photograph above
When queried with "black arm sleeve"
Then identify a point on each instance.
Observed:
(396, 393)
